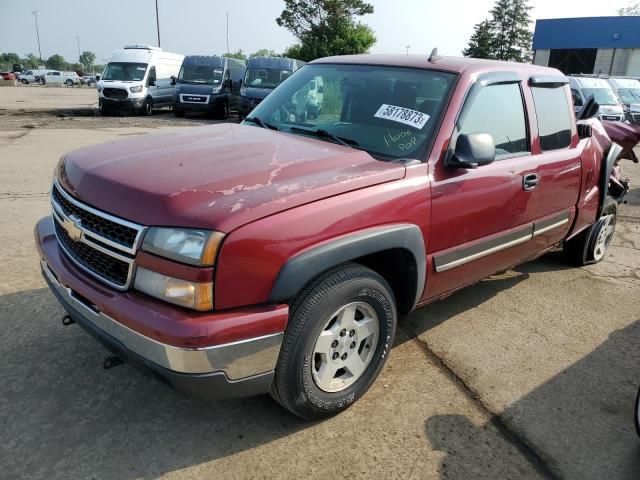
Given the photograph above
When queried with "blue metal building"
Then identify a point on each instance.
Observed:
(600, 45)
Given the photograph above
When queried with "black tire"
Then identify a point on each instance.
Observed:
(69, 83)
(104, 111)
(25, 81)
(223, 112)
(585, 249)
(636, 413)
(294, 385)
(147, 107)
(178, 113)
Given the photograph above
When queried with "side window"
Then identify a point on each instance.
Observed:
(575, 96)
(152, 76)
(554, 117)
(498, 110)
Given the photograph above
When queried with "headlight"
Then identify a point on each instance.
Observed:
(137, 89)
(195, 247)
(243, 91)
(198, 296)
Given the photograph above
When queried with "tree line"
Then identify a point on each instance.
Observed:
(55, 62)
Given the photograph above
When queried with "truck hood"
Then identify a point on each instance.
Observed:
(215, 177)
(256, 93)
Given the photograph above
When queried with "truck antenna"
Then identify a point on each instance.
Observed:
(434, 55)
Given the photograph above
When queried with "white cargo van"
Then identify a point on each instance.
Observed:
(583, 87)
(138, 78)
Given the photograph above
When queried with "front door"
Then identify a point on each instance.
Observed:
(481, 218)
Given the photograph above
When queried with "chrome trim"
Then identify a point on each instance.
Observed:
(237, 360)
(135, 226)
(130, 271)
(542, 230)
(483, 253)
(182, 100)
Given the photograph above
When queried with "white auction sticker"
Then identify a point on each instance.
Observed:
(413, 118)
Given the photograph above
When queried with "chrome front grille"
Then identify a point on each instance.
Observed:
(100, 244)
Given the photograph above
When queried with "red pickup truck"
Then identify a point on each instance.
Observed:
(276, 255)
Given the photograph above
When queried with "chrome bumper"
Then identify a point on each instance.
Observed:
(237, 360)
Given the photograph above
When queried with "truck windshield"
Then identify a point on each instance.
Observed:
(629, 95)
(391, 112)
(265, 77)
(200, 74)
(603, 96)
(125, 71)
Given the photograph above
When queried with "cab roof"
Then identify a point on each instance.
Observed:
(442, 63)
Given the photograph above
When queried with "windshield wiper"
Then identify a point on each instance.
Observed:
(261, 123)
(347, 142)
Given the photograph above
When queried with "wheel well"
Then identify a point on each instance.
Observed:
(398, 267)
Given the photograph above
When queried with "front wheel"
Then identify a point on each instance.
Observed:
(338, 338)
(69, 83)
(25, 81)
(178, 113)
(147, 107)
(636, 413)
(590, 246)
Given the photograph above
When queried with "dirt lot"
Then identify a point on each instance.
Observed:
(528, 374)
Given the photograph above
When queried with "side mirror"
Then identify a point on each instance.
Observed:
(152, 82)
(473, 150)
(321, 89)
(228, 84)
(174, 80)
(589, 110)
(98, 77)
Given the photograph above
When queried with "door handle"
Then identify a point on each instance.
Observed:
(530, 181)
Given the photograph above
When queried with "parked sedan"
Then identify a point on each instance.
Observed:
(7, 76)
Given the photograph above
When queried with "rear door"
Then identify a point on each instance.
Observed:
(558, 173)
(483, 218)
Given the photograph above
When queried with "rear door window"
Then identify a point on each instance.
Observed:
(498, 110)
(554, 117)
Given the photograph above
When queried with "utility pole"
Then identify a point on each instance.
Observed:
(35, 15)
(408, 47)
(158, 23)
(79, 54)
(228, 51)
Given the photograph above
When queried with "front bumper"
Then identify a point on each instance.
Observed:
(234, 369)
(127, 104)
(247, 104)
(214, 103)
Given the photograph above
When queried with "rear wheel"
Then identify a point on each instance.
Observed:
(25, 81)
(590, 246)
(338, 338)
(69, 83)
(147, 107)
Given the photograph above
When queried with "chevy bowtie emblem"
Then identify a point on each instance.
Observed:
(72, 226)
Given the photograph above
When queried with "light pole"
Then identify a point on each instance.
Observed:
(407, 47)
(228, 52)
(158, 23)
(35, 15)
(78, 41)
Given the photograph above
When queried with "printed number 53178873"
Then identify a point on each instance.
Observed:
(407, 116)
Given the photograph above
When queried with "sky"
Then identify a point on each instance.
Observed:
(199, 26)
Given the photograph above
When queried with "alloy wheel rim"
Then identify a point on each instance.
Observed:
(604, 237)
(345, 347)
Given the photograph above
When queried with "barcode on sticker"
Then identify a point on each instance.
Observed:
(413, 118)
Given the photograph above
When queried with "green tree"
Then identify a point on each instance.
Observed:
(264, 52)
(31, 61)
(481, 42)
(633, 9)
(239, 54)
(87, 58)
(56, 62)
(510, 30)
(326, 27)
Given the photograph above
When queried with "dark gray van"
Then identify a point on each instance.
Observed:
(208, 84)
(262, 76)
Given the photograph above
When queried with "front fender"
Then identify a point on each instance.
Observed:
(301, 269)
